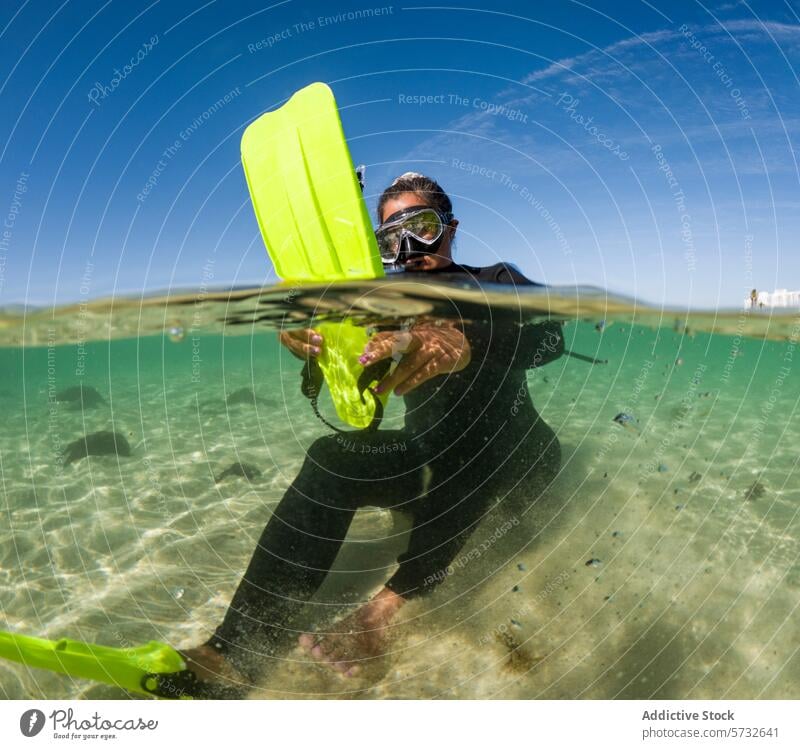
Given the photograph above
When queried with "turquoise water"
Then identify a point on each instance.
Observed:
(670, 568)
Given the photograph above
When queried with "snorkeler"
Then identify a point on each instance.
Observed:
(471, 438)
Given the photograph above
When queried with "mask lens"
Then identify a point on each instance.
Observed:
(424, 225)
(389, 242)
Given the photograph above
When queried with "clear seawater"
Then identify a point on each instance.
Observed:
(671, 569)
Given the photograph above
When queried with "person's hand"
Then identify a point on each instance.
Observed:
(304, 343)
(428, 349)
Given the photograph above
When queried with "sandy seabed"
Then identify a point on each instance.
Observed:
(662, 562)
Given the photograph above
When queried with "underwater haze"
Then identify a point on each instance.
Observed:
(662, 561)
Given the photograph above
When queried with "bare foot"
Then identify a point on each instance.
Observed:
(347, 645)
(362, 635)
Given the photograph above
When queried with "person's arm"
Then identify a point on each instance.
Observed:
(508, 344)
(505, 338)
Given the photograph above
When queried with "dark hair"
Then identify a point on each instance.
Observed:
(435, 196)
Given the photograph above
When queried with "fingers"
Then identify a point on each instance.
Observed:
(408, 366)
(304, 343)
(451, 342)
(422, 353)
(420, 366)
(388, 345)
(429, 369)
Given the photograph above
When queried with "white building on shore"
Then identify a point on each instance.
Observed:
(777, 298)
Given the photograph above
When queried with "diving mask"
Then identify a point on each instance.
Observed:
(412, 232)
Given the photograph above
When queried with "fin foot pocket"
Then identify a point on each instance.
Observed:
(184, 684)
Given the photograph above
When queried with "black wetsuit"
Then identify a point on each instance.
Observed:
(470, 439)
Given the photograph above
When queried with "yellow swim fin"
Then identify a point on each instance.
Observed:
(306, 194)
(315, 224)
(344, 343)
(137, 669)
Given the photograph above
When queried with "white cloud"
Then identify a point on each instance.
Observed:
(622, 73)
(608, 61)
(772, 28)
(568, 64)
(729, 6)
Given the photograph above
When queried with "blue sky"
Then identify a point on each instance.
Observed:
(648, 148)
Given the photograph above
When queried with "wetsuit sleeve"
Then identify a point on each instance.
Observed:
(524, 346)
(505, 343)
(506, 273)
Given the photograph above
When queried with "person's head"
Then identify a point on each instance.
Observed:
(404, 200)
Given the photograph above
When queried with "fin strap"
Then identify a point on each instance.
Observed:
(311, 386)
(185, 685)
(581, 357)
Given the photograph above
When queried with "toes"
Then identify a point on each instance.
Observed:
(329, 648)
(333, 651)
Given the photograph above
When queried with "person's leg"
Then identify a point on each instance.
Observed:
(305, 533)
(510, 480)
(458, 495)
